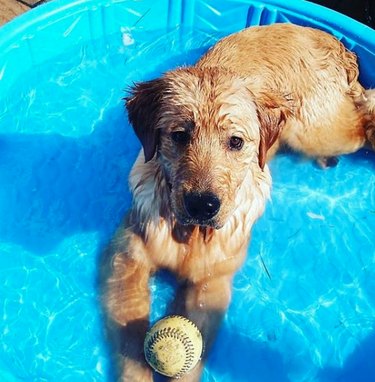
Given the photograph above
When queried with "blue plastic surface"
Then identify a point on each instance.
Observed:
(303, 307)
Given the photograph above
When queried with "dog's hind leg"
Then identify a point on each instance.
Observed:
(327, 132)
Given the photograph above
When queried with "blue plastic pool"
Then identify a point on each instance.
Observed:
(303, 307)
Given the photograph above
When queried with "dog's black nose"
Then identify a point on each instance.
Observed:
(201, 206)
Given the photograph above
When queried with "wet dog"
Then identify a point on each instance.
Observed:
(202, 180)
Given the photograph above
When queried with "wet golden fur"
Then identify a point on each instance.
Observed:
(270, 86)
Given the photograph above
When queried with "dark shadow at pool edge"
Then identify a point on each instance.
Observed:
(241, 359)
(358, 367)
(364, 156)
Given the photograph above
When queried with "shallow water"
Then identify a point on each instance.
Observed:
(303, 307)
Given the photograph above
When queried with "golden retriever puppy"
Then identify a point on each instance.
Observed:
(202, 180)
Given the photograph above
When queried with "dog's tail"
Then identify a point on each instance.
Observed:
(368, 107)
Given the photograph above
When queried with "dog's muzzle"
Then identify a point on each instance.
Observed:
(201, 207)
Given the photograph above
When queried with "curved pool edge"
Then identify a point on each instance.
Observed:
(29, 21)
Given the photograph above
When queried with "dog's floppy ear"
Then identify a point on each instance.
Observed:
(273, 110)
(143, 106)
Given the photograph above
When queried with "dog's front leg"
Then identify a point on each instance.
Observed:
(127, 300)
(205, 304)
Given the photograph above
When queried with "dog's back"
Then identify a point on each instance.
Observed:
(315, 70)
(286, 57)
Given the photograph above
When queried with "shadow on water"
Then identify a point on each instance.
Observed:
(363, 157)
(359, 366)
(235, 357)
(54, 186)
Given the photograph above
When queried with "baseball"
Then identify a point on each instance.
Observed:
(173, 346)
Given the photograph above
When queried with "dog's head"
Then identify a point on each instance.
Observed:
(208, 131)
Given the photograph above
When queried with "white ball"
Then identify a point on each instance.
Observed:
(173, 346)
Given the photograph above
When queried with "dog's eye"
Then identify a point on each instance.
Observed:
(180, 137)
(235, 143)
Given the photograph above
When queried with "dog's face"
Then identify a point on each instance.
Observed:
(209, 132)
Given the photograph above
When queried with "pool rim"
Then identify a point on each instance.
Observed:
(26, 24)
